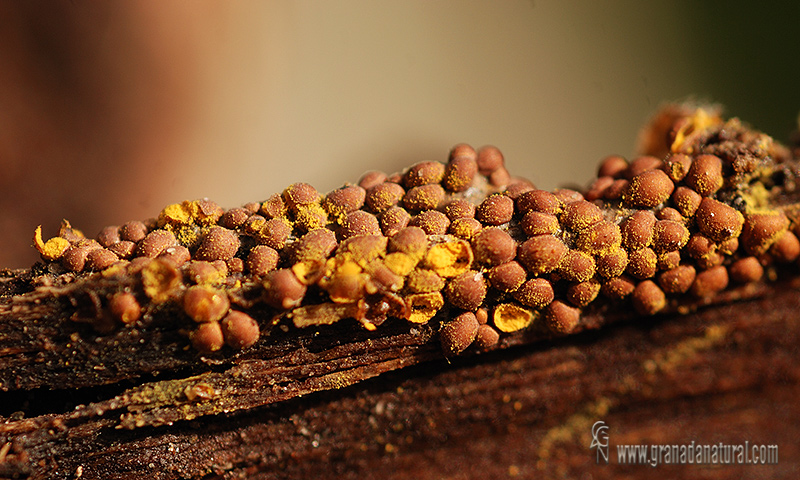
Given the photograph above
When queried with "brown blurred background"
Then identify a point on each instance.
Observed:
(111, 110)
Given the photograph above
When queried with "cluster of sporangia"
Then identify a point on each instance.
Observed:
(464, 238)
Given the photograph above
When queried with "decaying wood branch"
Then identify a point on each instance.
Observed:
(185, 347)
(727, 373)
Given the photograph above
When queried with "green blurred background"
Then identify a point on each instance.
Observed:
(111, 110)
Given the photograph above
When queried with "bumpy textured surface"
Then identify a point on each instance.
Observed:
(458, 237)
(278, 340)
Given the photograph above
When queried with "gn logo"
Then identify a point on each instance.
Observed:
(600, 440)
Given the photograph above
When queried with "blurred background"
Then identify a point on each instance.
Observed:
(111, 110)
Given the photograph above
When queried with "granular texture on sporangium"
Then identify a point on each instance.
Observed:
(461, 243)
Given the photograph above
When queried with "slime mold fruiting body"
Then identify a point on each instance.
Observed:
(486, 254)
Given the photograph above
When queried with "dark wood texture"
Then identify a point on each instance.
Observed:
(392, 407)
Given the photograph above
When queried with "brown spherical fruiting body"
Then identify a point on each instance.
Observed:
(649, 189)
(668, 260)
(536, 293)
(393, 220)
(208, 211)
(583, 293)
(482, 315)
(359, 223)
(459, 208)
(205, 304)
(177, 254)
(577, 266)
(466, 291)
(433, 222)
(207, 337)
(300, 193)
(637, 230)
(155, 242)
(462, 150)
(125, 308)
(218, 244)
(240, 330)
(252, 207)
(616, 190)
(677, 280)
(538, 223)
(710, 282)
(133, 231)
(273, 207)
(493, 246)
(234, 218)
(235, 265)
(262, 260)
(517, 187)
(729, 246)
(495, 210)
(705, 175)
(677, 166)
(598, 188)
(123, 248)
(384, 195)
(717, 220)
(669, 213)
(310, 217)
(562, 318)
(315, 245)
(108, 236)
(100, 259)
(486, 337)
(613, 263)
(459, 333)
(275, 232)
(642, 164)
(618, 288)
(74, 257)
(507, 277)
(613, 166)
(371, 179)
(465, 228)
(425, 197)
(541, 254)
(700, 246)
(459, 173)
(686, 201)
(760, 231)
(282, 289)
(346, 199)
(500, 177)
(568, 195)
(410, 240)
(669, 235)
(579, 215)
(648, 298)
(599, 238)
(539, 201)
(202, 272)
(746, 270)
(423, 173)
(785, 249)
(642, 263)
(489, 159)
